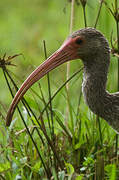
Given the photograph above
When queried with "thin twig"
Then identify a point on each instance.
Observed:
(100, 133)
(70, 31)
(49, 153)
(83, 2)
(48, 140)
(117, 27)
(27, 107)
(45, 105)
(49, 90)
(99, 11)
(63, 85)
(68, 63)
(79, 100)
(48, 173)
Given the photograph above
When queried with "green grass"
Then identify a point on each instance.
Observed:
(77, 146)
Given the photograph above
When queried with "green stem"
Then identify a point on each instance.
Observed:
(84, 15)
(49, 90)
(97, 18)
(117, 25)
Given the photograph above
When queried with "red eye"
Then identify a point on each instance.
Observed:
(79, 41)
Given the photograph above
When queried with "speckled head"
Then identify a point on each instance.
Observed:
(88, 43)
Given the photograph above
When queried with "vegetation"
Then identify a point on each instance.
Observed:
(53, 134)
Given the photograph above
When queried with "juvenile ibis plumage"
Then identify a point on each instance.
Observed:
(92, 48)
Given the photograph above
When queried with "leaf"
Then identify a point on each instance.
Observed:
(37, 166)
(111, 171)
(70, 168)
(89, 161)
(80, 177)
(4, 167)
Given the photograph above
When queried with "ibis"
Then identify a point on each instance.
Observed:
(92, 48)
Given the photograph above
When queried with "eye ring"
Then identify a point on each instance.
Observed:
(79, 41)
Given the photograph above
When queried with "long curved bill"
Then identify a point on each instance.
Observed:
(62, 55)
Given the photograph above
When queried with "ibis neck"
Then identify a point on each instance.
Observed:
(94, 83)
